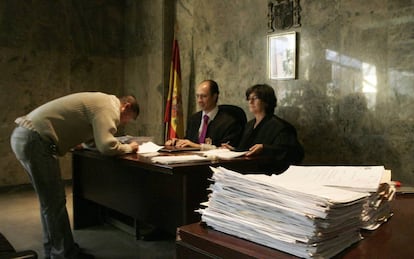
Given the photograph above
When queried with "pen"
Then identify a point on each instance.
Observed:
(226, 145)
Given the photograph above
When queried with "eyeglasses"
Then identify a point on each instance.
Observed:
(252, 98)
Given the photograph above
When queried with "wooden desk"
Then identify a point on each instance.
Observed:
(394, 239)
(163, 195)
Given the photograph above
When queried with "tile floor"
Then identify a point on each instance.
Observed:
(20, 224)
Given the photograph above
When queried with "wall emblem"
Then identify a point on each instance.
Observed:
(283, 14)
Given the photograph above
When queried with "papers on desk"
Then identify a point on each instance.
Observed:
(198, 156)
(377, 209)
(222, 153)
(145, 144)
(304, 215)
(375, 180)
(357, 178)
(178, 159)
(148, 147)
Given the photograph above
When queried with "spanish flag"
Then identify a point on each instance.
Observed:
(173, 108)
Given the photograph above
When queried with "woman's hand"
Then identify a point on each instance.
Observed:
(78, 147)
(226, 145)
(255, 150)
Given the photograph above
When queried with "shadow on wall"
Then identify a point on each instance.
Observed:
(344, 132)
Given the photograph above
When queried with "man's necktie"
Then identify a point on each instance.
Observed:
(202, 137)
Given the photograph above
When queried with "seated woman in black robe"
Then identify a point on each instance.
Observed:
(267, 134)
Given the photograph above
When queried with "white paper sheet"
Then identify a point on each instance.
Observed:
(362, 178)
(148, 147)
(222, 153)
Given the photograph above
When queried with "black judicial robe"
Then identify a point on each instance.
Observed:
(279, 139)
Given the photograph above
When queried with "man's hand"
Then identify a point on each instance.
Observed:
(134, 146)
(185, 143)
(170, 142)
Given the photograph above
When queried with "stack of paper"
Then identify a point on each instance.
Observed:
(375, 180)
(377, 209)
(306, 215)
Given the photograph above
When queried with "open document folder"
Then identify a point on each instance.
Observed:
(300, 217)
(178, 159)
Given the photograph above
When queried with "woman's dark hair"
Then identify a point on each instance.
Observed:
(266, 94)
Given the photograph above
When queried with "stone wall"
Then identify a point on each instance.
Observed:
(353, 100)
(49, 49)
(147, 36)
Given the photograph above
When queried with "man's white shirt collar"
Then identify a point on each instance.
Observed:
(212, 114)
